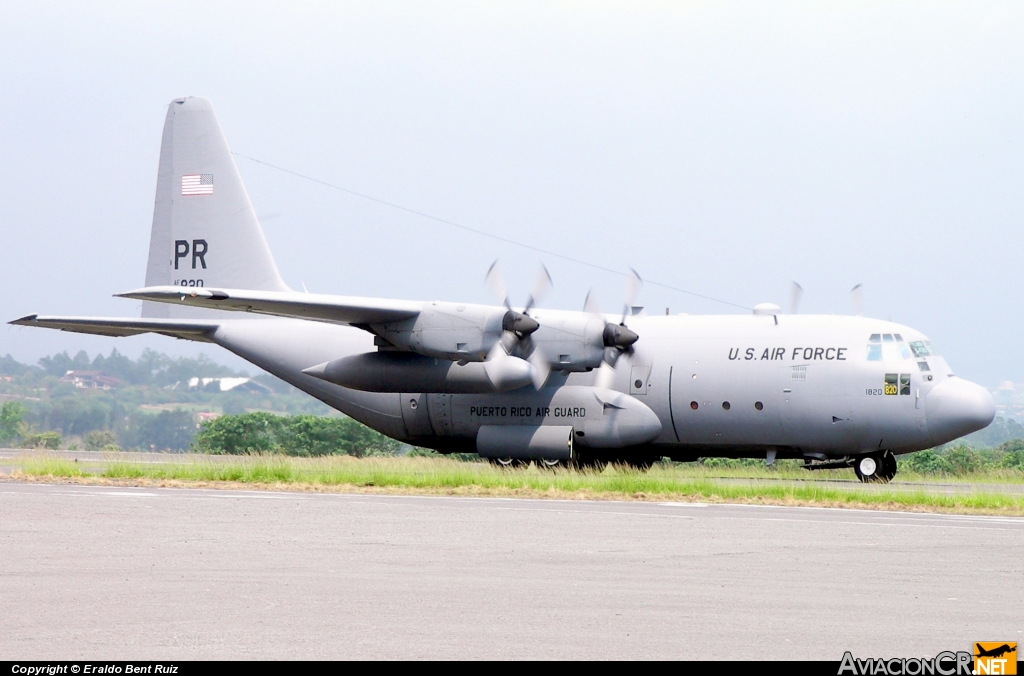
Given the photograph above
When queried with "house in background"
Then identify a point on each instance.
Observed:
(90, 380)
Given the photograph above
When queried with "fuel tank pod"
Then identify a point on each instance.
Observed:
(408, 372)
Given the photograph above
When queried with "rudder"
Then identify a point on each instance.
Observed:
(205, 232)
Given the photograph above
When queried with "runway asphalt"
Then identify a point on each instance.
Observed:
(124, 573)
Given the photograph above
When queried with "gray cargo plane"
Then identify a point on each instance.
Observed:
(533, 385)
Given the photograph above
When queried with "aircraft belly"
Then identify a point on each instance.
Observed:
(285, 347)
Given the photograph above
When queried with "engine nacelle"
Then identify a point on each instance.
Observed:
(456, 332)
(569, 341)
(407, 372)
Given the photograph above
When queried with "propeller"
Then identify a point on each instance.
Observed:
(857, 296)
(618, 338)
(517, 326)
(795, 293)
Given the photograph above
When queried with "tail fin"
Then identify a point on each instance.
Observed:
(205, 232)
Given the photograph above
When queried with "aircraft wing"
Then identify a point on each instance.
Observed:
(113, 326)
(321, 307)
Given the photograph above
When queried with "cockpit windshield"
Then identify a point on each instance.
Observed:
(892, 347)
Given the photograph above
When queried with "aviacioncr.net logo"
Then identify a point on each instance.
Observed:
(946, 663)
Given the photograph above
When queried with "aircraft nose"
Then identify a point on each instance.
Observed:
(957, 407)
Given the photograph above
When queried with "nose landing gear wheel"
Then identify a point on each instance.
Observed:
(877, 468)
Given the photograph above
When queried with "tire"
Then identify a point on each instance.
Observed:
(889, 466)
(545, 463)
(591, 462)
(872, 468)
(509, 463)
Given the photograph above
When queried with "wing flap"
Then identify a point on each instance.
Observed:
(114, 326)
(321, 307)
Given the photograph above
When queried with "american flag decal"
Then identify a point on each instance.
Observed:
(197, 184)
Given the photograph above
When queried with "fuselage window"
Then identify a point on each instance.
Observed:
(923, 365)
(875, 338)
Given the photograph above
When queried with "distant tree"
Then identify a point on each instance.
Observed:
(302, 435)
(164, 431)
(12, 421)
(9, 366)
(100, 440)
(1013, 454)
(50, 440)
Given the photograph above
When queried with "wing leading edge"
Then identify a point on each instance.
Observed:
(320, 307)
(198, 330)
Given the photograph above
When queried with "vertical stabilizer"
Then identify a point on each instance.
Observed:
(205, 232)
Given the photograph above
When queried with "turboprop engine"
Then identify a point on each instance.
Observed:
(566, 341)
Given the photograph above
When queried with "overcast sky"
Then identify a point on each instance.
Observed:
(722, 148)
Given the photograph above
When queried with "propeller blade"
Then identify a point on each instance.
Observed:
(857, 295)
(590, 305)
(605, 375)
(541, 368)
(496, 284)
(795, 292)
(633, 285)
(541, 285)
(506, 372)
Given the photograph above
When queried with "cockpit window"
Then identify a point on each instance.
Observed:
(931, 348)
(919, 348)
(892, 347)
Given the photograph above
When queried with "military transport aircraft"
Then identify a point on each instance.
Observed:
(574, 388)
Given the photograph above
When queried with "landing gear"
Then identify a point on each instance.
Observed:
(640, 463)
(875, 468)
(510, 463)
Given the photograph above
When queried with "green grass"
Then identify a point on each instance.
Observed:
(442, 475)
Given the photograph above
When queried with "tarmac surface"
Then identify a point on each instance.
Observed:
(97, 572)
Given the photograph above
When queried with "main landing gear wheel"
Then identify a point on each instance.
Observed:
(888, 466)
(876, 468)
(547, 463)
(510, 463)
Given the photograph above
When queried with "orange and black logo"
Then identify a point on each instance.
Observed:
(994, 657)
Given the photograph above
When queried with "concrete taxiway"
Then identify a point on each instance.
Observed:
(124, 573)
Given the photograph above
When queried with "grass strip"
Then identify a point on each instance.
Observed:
(444, 476)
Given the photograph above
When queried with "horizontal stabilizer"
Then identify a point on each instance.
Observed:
(320, 307)
(114, 326)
